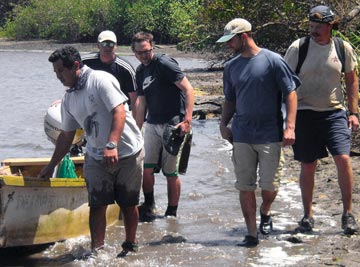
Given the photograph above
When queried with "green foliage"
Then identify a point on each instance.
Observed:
(64, 20)
(192, 24)
(168, 20)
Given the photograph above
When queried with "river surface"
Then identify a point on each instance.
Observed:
(209, 222)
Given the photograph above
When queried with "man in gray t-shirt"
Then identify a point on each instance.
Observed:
(114, 157)
(255, 82)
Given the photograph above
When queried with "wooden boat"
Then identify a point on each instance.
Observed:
(36, 211)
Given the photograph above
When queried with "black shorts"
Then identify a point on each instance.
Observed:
(316, 132)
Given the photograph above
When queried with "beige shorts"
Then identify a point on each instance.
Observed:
(156, 155)
(122, 183)
(263, 160)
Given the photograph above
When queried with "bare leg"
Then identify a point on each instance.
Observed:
(268, 198)
(345, 179)
(148, 180)
(307, 186)
(131, 218)
(97, 221)
(248, 207)
(174, 189)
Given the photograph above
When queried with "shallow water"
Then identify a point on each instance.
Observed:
(209, 222)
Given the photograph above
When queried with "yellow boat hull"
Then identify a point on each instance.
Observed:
(35, 211)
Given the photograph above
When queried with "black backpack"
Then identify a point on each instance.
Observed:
(304, 45)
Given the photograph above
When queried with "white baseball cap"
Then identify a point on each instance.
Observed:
(107, 36)
(234, 27)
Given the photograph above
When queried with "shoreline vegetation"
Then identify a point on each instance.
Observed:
(329, 246)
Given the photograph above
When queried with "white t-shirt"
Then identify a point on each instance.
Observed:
(320, 75)
(90, 108)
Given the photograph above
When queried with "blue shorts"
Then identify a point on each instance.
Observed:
(316, 132)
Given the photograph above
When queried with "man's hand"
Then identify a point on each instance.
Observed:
(46, 172)
(353, 123)
(110, 157)
(185, 127)
(288, 137)
(226, 133)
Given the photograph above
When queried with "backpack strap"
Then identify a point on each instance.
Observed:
(340, 51)
(303, 48)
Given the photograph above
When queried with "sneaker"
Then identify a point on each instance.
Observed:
(127, 247)
(266, 224)
(306, 224)
(146, 213)
(249, 241)
(349, 224)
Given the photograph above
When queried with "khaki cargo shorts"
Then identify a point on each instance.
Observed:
(257, 160)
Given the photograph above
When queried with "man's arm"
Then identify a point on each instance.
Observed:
(352, 93)
(140, 110)
(185, 86)
(228, 110)
(63, 144)
(117, 126)
(291, 107)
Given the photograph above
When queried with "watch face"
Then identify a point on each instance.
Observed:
(110, 145)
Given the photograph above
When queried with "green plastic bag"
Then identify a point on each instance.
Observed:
(67, 168)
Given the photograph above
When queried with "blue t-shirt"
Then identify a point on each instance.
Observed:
(258, 85)
(156, 82)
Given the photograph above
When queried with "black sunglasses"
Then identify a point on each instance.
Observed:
(109, 44)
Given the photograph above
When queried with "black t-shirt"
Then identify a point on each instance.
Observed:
(120, 68)
(157, 83)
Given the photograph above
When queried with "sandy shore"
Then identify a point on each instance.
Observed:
(330, 247)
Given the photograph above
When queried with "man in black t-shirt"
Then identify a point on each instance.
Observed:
(168, 97)
(108, 61)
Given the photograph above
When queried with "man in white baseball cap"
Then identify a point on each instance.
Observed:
(234, 27)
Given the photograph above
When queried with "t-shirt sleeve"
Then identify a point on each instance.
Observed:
(286, 77)
(126, 75)
(68, 122)
(228, 88)
(109, 91)
(350, 58)
(292, 55)
(170, 69)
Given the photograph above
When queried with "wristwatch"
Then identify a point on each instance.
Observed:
(111, 145)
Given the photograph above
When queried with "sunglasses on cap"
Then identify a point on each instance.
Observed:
(109, 44)
(317, 17)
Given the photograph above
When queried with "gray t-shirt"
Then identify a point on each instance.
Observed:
(89, 106)
(258, 85)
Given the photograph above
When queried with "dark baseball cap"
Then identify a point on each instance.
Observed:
(322, 14)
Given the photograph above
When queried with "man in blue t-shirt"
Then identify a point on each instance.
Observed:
(255, 83)
(108, 61)
(168, 97)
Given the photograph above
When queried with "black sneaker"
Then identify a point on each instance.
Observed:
(266, 224)
(127, 247)
(249, 241)
(306, 225)
(146, 212)
(349, 224)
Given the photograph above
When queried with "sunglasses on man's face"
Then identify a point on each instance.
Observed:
(109, 44)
